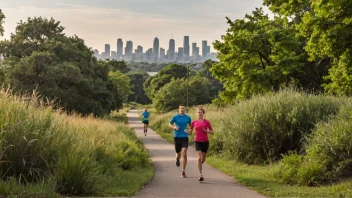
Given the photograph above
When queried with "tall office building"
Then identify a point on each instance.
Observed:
(113, 55)
(194, 49)
(119, 50)
(156, 49)
(171, 50)
(180, 54)
(204, 49)
(186, 46)
(107, 51)
(139, 53)
(128, 50)
(162, 53)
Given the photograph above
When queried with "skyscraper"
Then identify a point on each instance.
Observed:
(186, 46)
(139, 53)
(156, 49)
(119, 50)
(107, 51)
(194, 49)
(162, 53)
(204, 49)
(180, 54)
(128, 50)
(171, 50)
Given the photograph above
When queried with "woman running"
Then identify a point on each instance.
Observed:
(202, 127)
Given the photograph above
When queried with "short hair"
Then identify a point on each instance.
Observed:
(201, 108)
(181, 105)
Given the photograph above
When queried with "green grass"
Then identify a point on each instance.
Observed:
(133, 182)
(46, 153)
(259, 178)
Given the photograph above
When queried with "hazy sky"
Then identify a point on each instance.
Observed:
(103, 21)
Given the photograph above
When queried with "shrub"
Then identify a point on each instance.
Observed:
(261, 129)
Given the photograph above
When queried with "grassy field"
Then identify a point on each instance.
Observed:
(46, 153)
(258, 177)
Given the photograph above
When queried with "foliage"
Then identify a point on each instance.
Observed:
(164, 76)
(263, 128)
(40, 57)
(122, 83)
(215, 85)
(175, 93)
(136, 84)
(2, 17)
(76, 155)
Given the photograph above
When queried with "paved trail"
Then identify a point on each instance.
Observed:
(167, 181)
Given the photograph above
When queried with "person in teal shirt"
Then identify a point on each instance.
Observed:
(145, 120)
(179, 124)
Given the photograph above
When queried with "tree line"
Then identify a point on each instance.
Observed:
(307, 44)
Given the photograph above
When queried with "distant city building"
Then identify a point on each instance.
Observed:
(139, 53)
(185, 54)
(162, 54)
(204, 49)
(186, 46)
(171, 54)
(156, 49)
(180, 54)
(119, 50)
(149, 54)
(107, 51)
(194, 49)
(128, 50)
(113, 55)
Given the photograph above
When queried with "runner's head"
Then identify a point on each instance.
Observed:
(181, 109)
(145, 109)
(200, 112)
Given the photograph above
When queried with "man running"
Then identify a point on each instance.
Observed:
(181, 120)
(145, 120)
(202, 127)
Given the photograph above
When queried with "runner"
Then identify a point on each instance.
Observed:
(145, 120)
(181, 120)
(202, 127)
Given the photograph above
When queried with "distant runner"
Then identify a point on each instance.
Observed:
(145, 120)
(181, 120)
(202, 127)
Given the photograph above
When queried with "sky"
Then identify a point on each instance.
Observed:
(101, 22)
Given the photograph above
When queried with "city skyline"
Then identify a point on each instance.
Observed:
(101, 22)
(157, 53)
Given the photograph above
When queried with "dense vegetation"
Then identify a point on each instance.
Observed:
(69, 155)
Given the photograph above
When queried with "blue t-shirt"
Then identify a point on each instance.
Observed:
(181, 122)
(145, 115)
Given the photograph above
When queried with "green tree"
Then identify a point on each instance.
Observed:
(164, 76)
(328, 28)
(215, 84)
(2, 17)
(122, 82)
(136, 83)
(39, 56)
(259, 55)
(174, 93)
(115, 65)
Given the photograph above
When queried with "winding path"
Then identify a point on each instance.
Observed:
(167, 181)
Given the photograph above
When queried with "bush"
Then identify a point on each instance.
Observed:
(261, 129)
(74, 153)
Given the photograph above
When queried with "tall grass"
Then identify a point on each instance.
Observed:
(260, 130)
(78, 155)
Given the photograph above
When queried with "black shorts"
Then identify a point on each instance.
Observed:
(180, 143)
(145, 121)
(202, 146)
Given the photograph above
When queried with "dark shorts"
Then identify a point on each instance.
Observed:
(202, 146)
(180, 143)
(145, 121)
